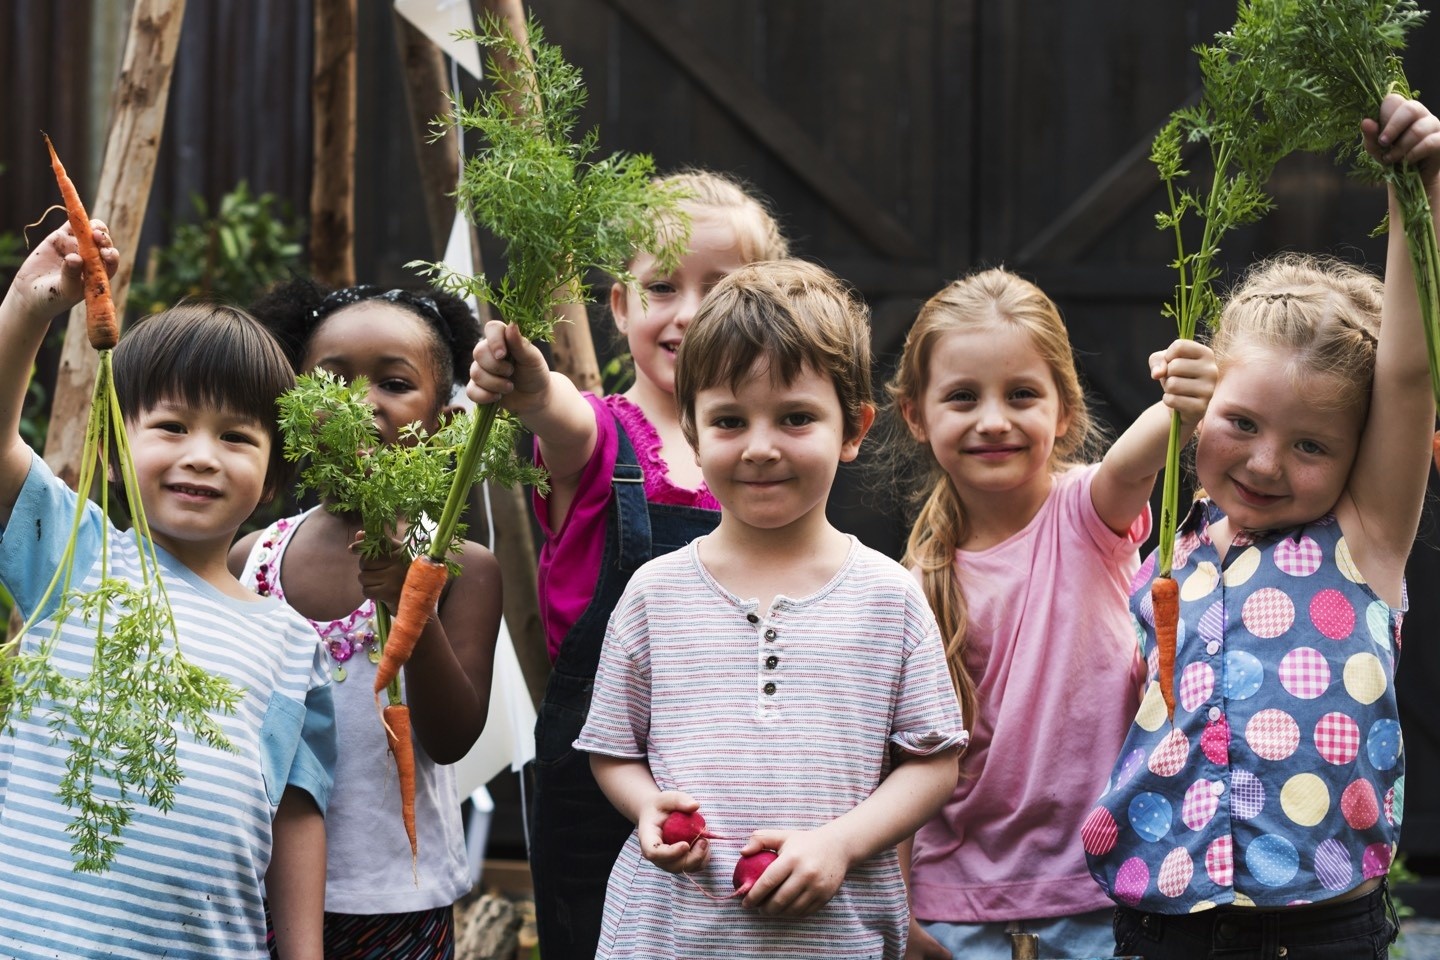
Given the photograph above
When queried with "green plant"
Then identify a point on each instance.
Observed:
(249, 242)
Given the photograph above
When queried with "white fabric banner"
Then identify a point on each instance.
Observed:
(438, 19)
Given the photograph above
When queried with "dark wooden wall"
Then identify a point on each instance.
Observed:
(902, 144)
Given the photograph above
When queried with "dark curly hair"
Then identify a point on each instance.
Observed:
(295, 309)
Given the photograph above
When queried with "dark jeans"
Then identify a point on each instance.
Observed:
(1359, 929)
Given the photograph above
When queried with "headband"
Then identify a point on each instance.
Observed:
(368, 291)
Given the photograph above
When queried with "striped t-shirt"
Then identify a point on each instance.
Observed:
(779, 719)
(186, 884)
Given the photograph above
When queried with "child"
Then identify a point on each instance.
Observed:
(1025, 553)
(623, 488)
(413, 348)
(1260, 822)
(197, 387)
(777, 674)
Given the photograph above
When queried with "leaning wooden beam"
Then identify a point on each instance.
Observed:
(332, 185)
(126, 173)
(426, 85)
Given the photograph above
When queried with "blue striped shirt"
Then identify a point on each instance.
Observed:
(186, 883)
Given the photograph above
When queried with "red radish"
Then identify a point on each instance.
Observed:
(749, 870)
(685, 828)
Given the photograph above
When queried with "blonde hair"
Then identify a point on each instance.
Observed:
(990, 298)
(721, 195)
(1324, 312)
(793, 315)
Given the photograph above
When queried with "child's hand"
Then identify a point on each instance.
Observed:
(805, 876)
(1406, 132)
(1187, 371)
(672, 857)
(508, 369)
(382, 577)
(49, 281)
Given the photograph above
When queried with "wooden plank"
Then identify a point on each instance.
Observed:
(744, 99)
(1107, 201)
(136, 121)
(332, 186)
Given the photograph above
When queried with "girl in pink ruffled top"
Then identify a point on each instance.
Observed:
(624, 487)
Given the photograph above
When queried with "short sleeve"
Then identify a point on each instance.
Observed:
(33, 543)
(618, 724)
(298, 745)
(592, 492)
(1077, 504)
(927, 709)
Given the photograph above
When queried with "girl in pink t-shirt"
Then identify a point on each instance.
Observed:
(624, 487)
(1025, 554)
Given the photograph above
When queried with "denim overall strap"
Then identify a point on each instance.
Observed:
(575, 833)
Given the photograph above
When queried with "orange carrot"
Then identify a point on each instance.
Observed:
(103, 328)
(418, 599)
(1165, 596)
(1435, 449)
(397, 730)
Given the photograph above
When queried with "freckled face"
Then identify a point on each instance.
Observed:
(1271, 453)
(394, 350)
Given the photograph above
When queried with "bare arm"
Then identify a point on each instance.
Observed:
(920, 945)
(631, 789)
(1387, 484)
(1186, 370)
(511, 371)
(295, 881)
(47, 284)
(813, 863)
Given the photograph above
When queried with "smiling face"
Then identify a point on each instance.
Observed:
(201, 472)
(990, 413)
(655, 328)
(394, 350)
(769, 451)
(1273, 453)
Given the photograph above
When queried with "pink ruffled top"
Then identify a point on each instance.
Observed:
(570, 558)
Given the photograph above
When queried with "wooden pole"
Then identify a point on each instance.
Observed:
(332, 185)
(572, 351)
(426, 83)
(131, 148)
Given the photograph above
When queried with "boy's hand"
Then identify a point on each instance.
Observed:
(805, 876)
(1406, 132)
(672, 857)
(921, 946)
(49, 281)
(508, 369)
(1187, 372)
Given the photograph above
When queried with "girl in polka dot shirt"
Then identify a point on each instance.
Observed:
(1261, 821)
(1025, 551)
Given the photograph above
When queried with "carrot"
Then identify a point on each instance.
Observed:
(1165, 597)
(103, 328)
(418, 599)
(397, 730)
(1435, 449)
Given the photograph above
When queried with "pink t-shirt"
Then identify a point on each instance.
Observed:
(570, 558)
(1057, 663)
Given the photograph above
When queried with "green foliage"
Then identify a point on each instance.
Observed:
(328, 425)
(618, 374)
(249, 242)
(122, 718)
(1291, 75)
(559, 212)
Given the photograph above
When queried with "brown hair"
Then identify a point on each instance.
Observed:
(1325, 312)
(791, 313)
(990, 298)
(207, 355)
